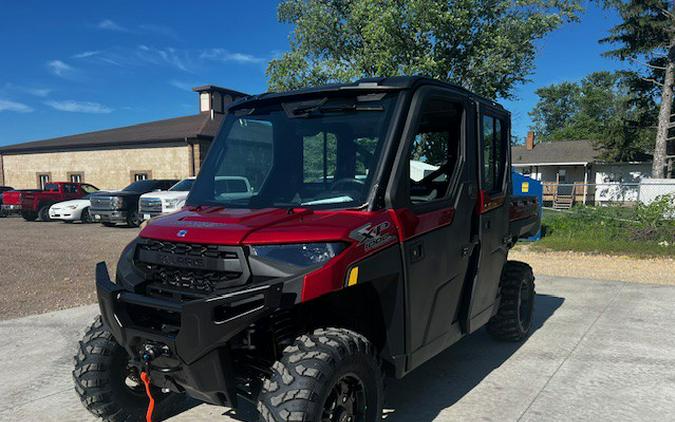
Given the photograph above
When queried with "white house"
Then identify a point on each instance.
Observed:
(575, 168)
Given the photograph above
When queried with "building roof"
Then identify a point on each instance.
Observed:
(556, 152)
(161, 131)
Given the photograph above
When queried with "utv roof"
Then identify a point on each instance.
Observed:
(395, 83)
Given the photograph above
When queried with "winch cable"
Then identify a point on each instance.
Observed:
(151, 405)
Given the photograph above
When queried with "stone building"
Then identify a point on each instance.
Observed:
(113, 158)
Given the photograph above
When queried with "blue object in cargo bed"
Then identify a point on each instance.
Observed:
(526, 186)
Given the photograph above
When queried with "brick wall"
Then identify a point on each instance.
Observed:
(106, 169)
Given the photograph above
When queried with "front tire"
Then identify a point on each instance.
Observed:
(86, 217)
(514, 318)
(330, 375)
(107, 385)
(134, 219)
(44, 214)
(29, 216)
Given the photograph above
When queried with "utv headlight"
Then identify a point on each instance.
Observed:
(299, 254)
(118, 202)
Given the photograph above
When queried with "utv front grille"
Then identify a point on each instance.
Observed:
(186, 271)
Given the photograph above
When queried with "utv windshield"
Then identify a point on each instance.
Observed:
(319, 154)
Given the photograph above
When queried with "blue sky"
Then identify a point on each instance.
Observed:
(72, 67)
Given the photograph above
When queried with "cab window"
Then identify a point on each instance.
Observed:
(493, 145)
(434, 151)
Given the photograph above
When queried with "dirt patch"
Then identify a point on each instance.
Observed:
(601, 267)
(50, 266)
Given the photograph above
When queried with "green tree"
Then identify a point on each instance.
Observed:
(484, 45)
(601, 108)
(646, 38)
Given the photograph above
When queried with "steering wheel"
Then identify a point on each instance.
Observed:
(349, 185)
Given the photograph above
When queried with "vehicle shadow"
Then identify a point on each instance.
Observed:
(445, 379)
(436, 385)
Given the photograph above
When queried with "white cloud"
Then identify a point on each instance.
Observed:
(85, 54)
(169, 56)
(79, 106)
(7, 105)
(109, 25)
(185, 86)
(222, 55)
(60, 68)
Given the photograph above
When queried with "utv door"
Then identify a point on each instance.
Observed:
(430, 191)
(494, 213)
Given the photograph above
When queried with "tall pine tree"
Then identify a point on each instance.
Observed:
(646, 37)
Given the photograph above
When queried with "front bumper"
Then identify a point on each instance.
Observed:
(197, 361)
(109, 216)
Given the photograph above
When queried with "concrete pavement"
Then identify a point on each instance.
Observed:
(601, 351)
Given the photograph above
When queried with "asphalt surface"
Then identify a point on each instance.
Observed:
(600, 351)
(50, 266)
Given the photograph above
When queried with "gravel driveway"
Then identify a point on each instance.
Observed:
(50, 266)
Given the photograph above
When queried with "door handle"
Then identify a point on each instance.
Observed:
(416, 252)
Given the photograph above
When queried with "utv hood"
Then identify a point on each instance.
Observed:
(215, 225)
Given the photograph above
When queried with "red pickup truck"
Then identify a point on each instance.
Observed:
(35, 204)
(11, 201)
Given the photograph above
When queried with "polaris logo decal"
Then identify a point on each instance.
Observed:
(181, 261)
(372, 236)
(182, 233)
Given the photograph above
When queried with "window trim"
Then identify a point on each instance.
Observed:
(70, 174)
(450, 197)
(133, 173)
(43, 173)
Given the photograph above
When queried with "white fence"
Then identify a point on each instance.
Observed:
(563, 195)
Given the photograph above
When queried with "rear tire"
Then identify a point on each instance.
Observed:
(29, 216)
(107, 387)
(331, 374)
(514, 318)
(44, 214)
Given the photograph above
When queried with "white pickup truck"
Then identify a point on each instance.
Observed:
(152, 204)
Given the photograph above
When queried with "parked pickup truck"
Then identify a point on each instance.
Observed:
(152, 204)
(111, 208)
(35, 204)
(3, 189)
(341, 268)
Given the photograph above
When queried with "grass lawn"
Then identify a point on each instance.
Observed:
(607, 230)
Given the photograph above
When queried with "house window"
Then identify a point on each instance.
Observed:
(76, 177)
(562, 176)
(43, 179)
(137, 175)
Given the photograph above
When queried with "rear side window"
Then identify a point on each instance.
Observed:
(493, 145)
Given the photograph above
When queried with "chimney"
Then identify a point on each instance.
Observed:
(214, 99)
(529, 142)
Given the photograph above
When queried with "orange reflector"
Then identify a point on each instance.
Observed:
(353, 276)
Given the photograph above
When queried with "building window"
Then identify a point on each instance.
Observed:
(43, 179)
(137, 175)
(76, 177)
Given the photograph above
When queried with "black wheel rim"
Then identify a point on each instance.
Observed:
(525, 303)
(346, 401)
(86, 218)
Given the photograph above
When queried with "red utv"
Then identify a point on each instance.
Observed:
(377, 235)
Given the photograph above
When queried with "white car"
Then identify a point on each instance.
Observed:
(155, 203)
(74, 210)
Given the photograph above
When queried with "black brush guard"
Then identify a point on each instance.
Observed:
(196, 360)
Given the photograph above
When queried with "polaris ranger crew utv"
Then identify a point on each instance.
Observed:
(376, 235)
